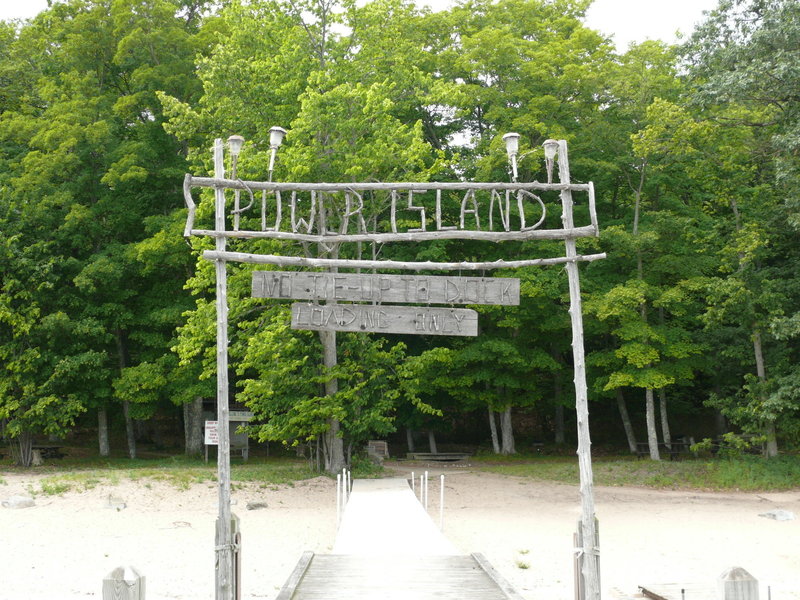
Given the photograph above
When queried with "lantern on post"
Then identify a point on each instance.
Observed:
(235, 143)
(550, 151)
(276, 135)
(512, 148)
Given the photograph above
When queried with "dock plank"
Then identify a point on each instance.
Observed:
(334, 577)
(679, 591)
(388, 548)
(384, 517)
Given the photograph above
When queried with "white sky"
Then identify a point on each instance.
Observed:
(625, 20)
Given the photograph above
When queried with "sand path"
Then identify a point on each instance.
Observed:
(62, 548)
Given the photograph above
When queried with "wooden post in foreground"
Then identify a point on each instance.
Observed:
(737, 584)
(124, 583)
(590, 571)
(224, 546)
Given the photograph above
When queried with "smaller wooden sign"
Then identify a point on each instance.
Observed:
(212, 433)
(240, 415)
(370, 318)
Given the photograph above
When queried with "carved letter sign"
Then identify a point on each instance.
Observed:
(409, 289)
(371, 318)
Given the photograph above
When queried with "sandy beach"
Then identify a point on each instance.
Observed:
(63, 546)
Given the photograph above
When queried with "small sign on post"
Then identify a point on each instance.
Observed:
(212, 433)
(211, 436)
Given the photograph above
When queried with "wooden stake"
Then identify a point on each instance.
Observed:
(590, 572)
(224, 548)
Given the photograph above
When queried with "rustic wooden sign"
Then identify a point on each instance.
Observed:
(413, 289)
(371, 318)
(414, 212)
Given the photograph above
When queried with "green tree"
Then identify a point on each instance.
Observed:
(91, 163)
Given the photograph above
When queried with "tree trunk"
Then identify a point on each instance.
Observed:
(507, 432)
(193, 426)
(662, 402)
(432, 442)
(769, 426)
(102, 432)
(22, 449)
(652, 436)
(410, 439)
(559, 416)
(122, 355)
(493, 430)
(626, 422)
(559, 424)
(720, 423)
(772, 439)
(129, 433)
(333, 442)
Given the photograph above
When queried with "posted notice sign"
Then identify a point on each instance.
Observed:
(212, 433)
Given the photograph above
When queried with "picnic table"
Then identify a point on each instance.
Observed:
(49, 450)
(674, 450)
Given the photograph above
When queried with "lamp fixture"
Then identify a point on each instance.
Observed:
(512, 148)
(235, 143)
(550, 151)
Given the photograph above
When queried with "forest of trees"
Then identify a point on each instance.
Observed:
(107, 313)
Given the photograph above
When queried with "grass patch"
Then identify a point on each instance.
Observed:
(746, 473)
(54, 486)
(180, 472)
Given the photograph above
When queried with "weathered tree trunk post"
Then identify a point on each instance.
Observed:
(591, 579)
(410, 439)
(224, 548)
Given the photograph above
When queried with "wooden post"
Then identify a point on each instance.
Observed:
(441, 503)
(591, 576)
(577, 539)
(224, 547)
(124, 583)
(737, 584)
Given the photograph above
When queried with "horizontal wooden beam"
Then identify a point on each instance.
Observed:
(382, 318)
(367, 287)
(325, 263)
(211, 182)
(409, 236)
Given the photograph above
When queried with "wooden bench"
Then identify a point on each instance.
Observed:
(378, 448)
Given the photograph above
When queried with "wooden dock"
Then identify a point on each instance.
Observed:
(388, 548)
(679, 591)
(384, 518)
